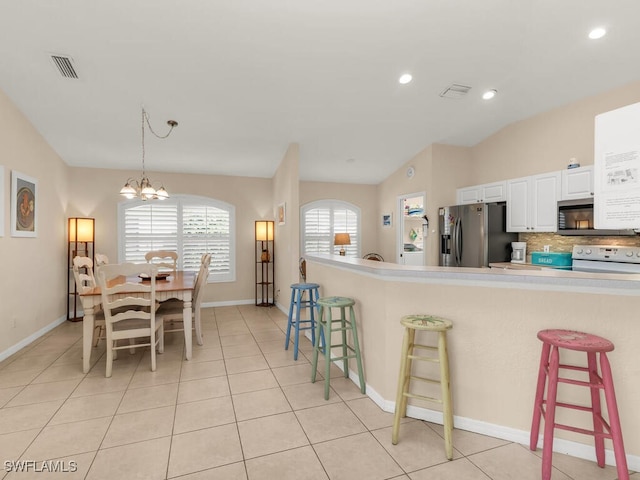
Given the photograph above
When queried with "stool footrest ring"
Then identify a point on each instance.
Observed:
(422, 397)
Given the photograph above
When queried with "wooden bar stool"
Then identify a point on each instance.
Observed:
(592, 345)
(296, 307)
(431, 324)
(324, 328)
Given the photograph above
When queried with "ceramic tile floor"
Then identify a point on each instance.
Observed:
(242, 408)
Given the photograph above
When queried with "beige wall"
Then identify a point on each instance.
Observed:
(540, 144)
(33, 286)
(94, 193)
(439, 170)
(287, 237)
(546, 142)
(362, 196)
(493, 349)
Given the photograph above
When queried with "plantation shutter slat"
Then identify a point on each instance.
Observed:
(187, 225)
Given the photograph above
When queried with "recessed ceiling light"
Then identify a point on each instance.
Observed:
(597, 33)
(405, 78)
(489, 94)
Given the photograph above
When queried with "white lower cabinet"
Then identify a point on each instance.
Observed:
(532, 203)
(486, 193)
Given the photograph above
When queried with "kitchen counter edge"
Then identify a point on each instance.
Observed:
(543, 279)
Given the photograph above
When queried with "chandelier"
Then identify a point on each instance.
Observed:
(143, 188)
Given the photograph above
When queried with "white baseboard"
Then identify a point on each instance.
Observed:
(567, 447)
(31, 338)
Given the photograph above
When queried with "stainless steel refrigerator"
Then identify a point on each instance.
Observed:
(474, 235)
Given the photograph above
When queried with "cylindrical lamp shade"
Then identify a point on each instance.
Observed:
(264, 230)
(81, 229)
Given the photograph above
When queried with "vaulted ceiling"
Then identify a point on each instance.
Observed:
(245, 78)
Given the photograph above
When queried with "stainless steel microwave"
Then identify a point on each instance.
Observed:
(575, 217)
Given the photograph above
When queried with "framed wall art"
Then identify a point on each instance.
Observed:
(24, 205)
(282, 214)
(387, 220)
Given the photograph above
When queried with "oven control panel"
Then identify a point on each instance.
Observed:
(606, 253)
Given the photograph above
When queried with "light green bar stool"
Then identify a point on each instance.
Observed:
(430, 324)
(325, 322)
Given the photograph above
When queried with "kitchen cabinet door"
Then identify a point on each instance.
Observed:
(469, 195)
(485, 193)
(518, 205)
(545, 192)
(577, 183)
(494, 192)
(532, 203)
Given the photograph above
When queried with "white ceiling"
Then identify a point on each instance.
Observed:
(245, 78)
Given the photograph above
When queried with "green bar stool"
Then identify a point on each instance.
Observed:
(431, 324)
(324, 328)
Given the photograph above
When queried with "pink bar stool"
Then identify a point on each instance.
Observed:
(552, 342)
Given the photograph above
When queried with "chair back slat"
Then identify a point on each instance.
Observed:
(84, 281)
(165, 260)
(117, 298)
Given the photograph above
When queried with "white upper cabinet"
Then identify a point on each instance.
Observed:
(487, 193)
(532, 203)
(577, 183)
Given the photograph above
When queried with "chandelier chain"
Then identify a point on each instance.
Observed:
(145, 118)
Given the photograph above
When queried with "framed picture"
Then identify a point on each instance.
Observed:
(1, 201)
(282, 214)
(24, 206)
(387, 220)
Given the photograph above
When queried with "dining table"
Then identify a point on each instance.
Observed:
(178, 285)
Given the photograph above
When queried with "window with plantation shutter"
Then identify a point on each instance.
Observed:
(187, 224)
(321, 220)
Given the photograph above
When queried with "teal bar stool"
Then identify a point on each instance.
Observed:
(324, 327)
(298, 304)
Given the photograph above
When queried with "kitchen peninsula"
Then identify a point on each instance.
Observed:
(493, 348)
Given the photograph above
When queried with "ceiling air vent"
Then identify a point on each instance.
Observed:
(455, 90)
(64, 65)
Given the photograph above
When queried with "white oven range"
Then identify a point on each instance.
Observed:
(606, 259)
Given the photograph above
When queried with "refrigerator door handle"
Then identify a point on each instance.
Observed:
(454, 243)
(460, 242)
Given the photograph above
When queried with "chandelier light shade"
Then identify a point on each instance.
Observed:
(143, 188)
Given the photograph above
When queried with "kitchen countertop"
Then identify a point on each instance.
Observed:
(541, 278)
(517, 266)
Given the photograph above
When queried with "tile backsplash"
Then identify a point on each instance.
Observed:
(564, 243)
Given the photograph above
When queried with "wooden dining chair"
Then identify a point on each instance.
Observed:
(101, 259)
(85, 281)
(165, 260)
(129, 309)
(172, 312)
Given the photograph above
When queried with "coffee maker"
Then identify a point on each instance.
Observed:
(518, 252)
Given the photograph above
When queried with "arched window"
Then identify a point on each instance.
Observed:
(188, 224)
(322, 219)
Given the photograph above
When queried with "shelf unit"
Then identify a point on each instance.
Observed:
(265, 263)
(80, 241)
